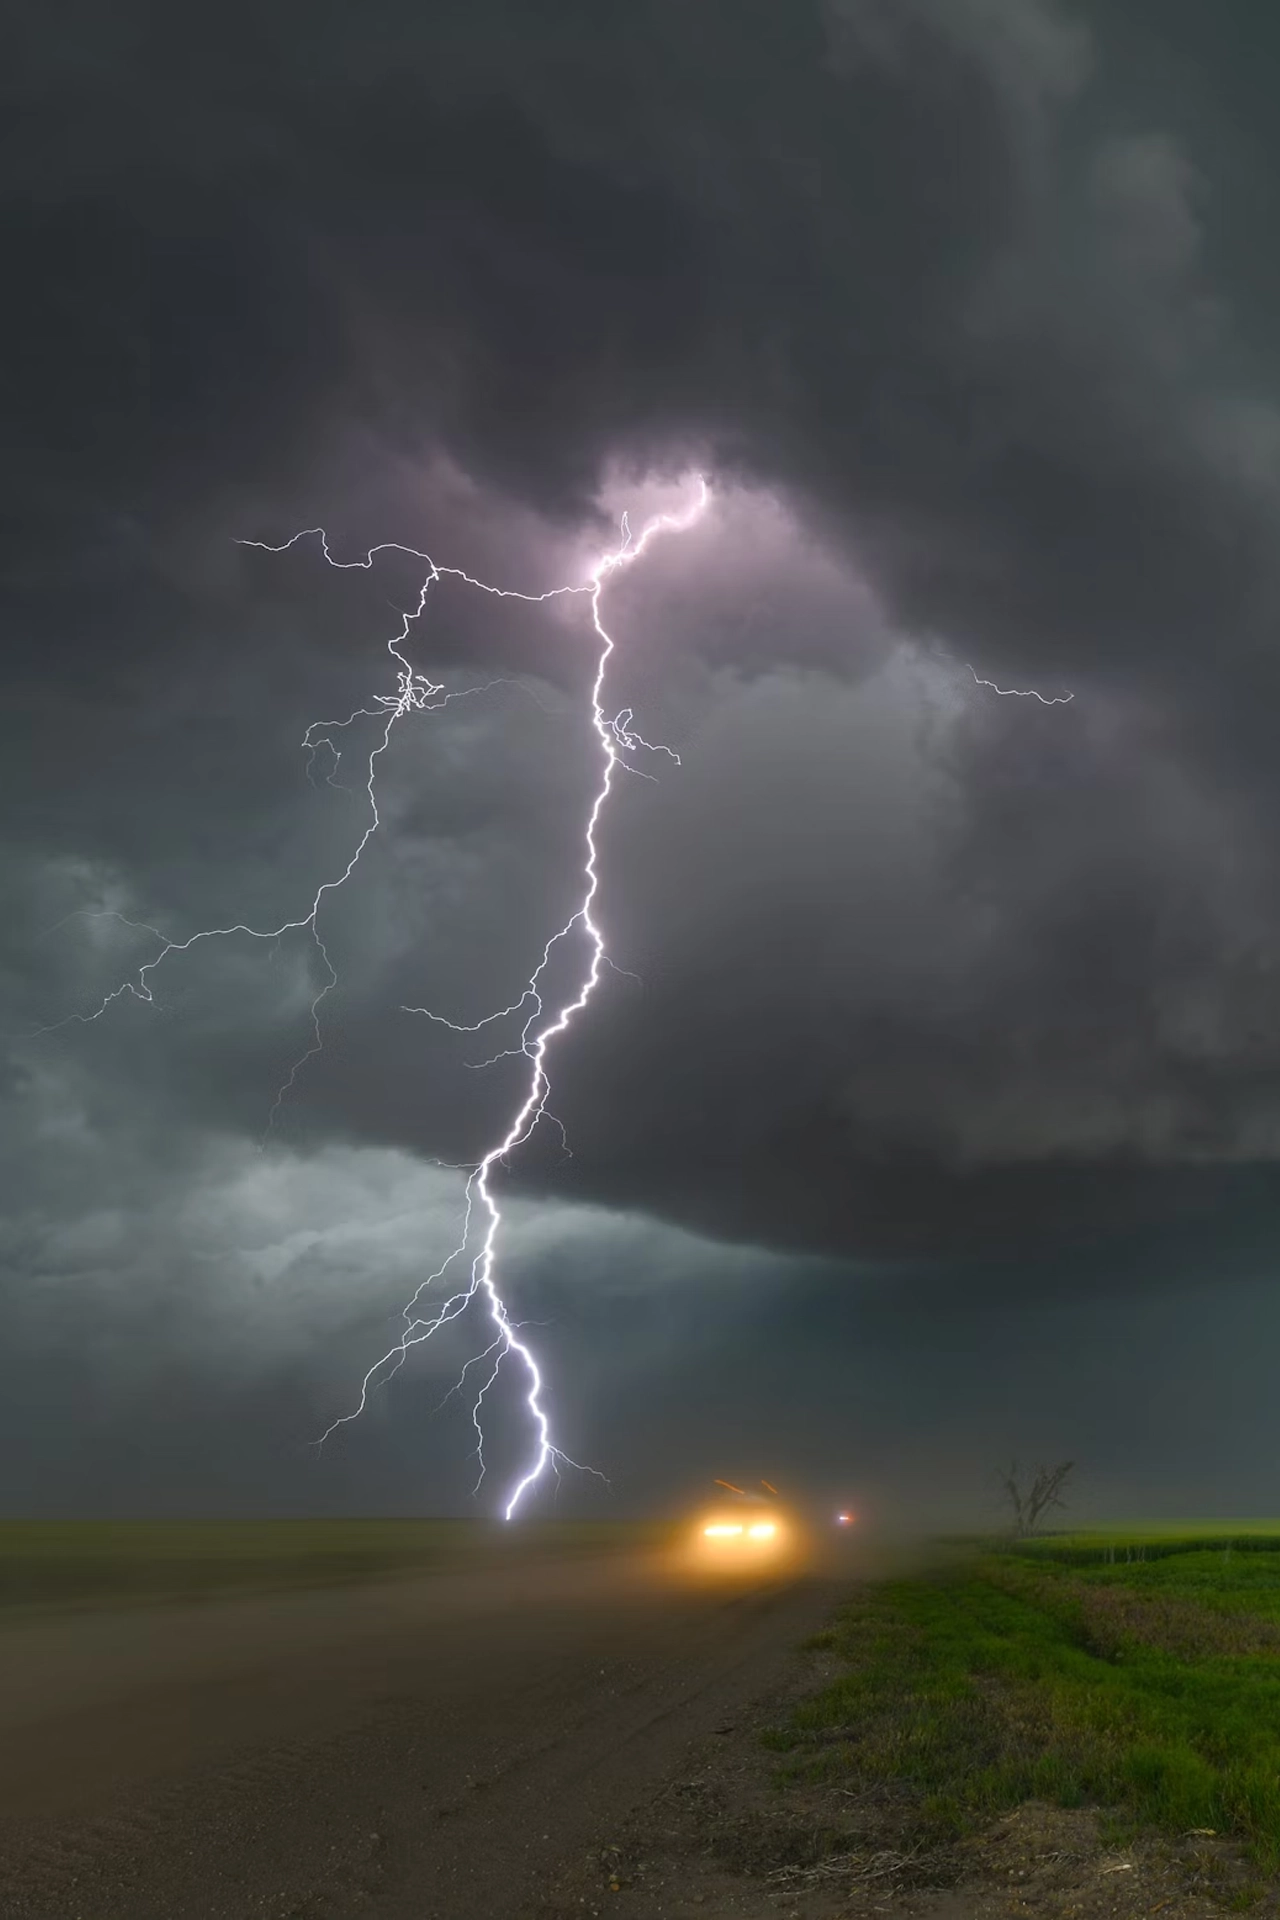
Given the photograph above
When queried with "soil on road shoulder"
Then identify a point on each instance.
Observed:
(726, 1836)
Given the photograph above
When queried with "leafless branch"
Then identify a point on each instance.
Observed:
(1030, 1498)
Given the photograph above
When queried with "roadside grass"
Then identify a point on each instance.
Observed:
(52, 1565)
(1149, 1688)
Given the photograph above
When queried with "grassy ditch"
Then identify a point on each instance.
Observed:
(1147, 1686)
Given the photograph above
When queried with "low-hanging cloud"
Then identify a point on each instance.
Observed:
(953, 315)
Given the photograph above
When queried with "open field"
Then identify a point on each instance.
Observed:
(51, 1565)
(1154, 1539)
(1084, 1728)
(1137, 1670)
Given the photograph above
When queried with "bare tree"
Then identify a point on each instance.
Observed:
(1029, 1499)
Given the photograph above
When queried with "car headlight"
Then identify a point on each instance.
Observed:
(763, 1530)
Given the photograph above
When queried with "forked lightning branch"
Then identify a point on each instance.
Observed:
(475, 1258)
(471, 1269)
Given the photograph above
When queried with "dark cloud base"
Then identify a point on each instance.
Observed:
(967, 310)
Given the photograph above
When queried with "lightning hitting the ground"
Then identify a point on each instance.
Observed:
(539, 1030)
(618, 744)
(1024, 693)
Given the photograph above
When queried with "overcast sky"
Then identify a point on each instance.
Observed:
(933, 1114)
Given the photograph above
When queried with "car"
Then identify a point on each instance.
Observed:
(745, 1528)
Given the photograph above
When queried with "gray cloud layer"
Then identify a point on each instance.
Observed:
(949, 299)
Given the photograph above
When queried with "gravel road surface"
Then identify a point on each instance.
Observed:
(434, 1747)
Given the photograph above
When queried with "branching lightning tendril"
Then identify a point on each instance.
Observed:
(619, 743)
(1024, 693)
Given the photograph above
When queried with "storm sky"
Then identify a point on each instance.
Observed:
(933, 1114)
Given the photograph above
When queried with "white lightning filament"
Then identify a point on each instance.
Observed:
(617, 740)
(1024, 693)
(541, 1029)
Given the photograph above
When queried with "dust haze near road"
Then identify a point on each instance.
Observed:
(444, 1742)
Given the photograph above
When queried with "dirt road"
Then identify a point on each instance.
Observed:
(429, 1747)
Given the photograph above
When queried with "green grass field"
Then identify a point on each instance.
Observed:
(1154, 1540)
(1137, 1670)
(71, 1564)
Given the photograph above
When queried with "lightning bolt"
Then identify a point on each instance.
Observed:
(618, 744)
(1024, 693)
(540, 1029)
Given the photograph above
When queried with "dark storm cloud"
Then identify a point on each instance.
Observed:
(883, 253)
(919, 272)
(905, 1013)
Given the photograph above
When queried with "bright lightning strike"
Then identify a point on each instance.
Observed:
(1024, 693)
(541, 1027)
(618, 744)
